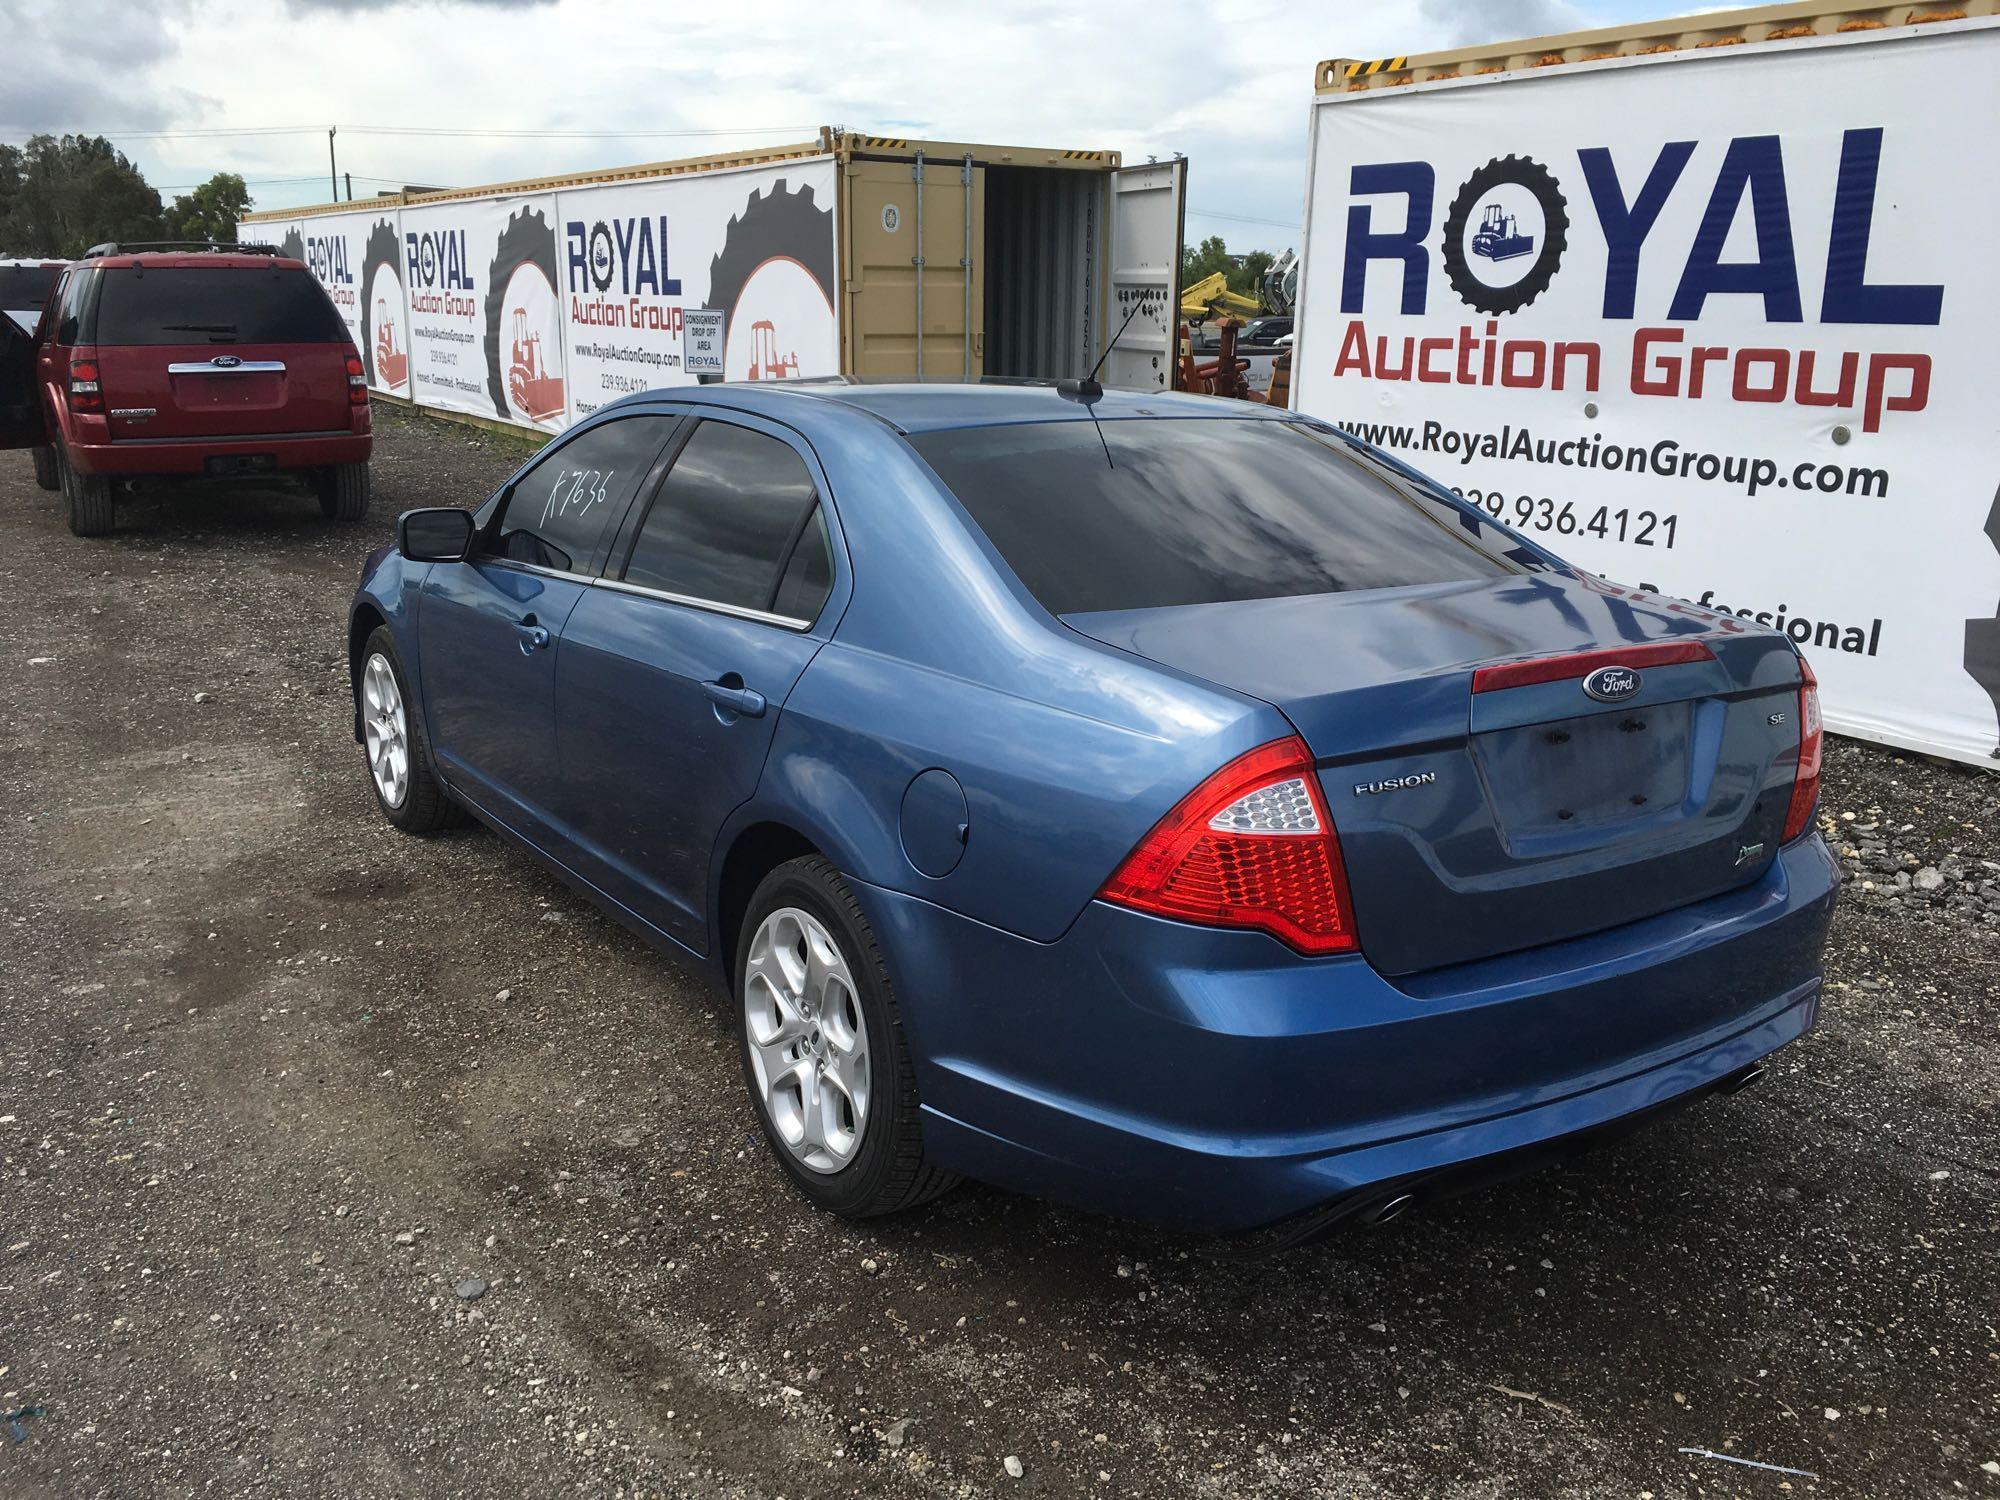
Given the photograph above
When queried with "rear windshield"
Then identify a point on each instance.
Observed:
(1134, 514)
(214, 305)
(24, 289)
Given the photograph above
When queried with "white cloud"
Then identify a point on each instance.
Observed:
(1230, 88)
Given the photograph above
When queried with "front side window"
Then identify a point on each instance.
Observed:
(557, 512)
(737, 523)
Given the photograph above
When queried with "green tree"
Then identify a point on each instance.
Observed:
(1204, 260)
(61, 194)
(1249, 276)
(1243, 275)
(210, 212)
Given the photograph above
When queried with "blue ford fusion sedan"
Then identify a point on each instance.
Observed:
(1163, 804)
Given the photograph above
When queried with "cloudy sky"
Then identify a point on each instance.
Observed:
(457, 92)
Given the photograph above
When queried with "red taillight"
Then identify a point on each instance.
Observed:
(85, 393)
(1252, 846)
(357, 380)
(1805, 782)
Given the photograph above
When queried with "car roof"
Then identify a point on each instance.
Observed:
(935, 407)
(215, 260)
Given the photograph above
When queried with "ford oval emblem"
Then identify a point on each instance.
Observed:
(1612, 684)
(226, 361)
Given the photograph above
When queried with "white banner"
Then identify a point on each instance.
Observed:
(757, 245)
(538, 310)
(1719, 323)
(485, 323)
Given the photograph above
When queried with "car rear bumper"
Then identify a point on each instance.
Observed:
(1215, 1080)
(190, 456)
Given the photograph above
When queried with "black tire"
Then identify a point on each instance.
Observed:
(343, 492)
(777, 224)
(92, 510)
(1541, 185)
(426, 806)
(526, 241)
(47, 473)
(888, 1171)
(382, 250)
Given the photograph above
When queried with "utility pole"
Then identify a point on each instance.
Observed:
(350, 186)
(332, 168)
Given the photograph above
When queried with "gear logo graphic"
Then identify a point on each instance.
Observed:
(1505, 235)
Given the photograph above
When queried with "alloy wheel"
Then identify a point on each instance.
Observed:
(808, 1039)
(386, 726)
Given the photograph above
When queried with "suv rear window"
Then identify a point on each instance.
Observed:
(1135, 514)
(24, 289)
(214, 305)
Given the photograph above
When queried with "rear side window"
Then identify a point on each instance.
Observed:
(214, 305)
(69, 317)
(736, 523)
(556, 514)
(1135, 514)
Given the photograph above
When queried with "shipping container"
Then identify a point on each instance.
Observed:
(535, 302)
(1704, 306)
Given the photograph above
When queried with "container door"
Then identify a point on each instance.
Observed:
(1145, 245)
(903, 217)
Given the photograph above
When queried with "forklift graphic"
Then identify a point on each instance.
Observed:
(1498, 238)
(534, 390)
(391, 363)
(765, 363)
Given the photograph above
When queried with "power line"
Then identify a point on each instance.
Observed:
(1209, 213)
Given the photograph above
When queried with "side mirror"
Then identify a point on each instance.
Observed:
(441, 534)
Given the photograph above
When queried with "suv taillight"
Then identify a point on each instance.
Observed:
(85, 394)
(1252, 846)
(357, 380)
(1805, 781)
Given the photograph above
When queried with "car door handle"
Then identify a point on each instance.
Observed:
(530, 636)
(735, 698)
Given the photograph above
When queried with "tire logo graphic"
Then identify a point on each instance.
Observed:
(524, 323)
(1982, 636)
(774, 280)
(1505, 235)
(384, 349)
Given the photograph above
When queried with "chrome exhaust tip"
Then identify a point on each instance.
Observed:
(1387, 1209)
(1736, 1083)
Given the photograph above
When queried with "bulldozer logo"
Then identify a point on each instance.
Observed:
(1505, 235)
(774, 280)
(524, 323)
(383, 348)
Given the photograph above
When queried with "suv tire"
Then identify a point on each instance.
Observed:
(383, 701)
(343, 492)
(47, 474)
(91, 509)
(885, 1169)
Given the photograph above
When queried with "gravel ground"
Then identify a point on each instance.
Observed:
(280, 1089)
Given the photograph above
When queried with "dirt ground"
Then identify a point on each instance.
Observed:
(275, 1080)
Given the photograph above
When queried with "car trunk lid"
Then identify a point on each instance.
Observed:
(1485, 802)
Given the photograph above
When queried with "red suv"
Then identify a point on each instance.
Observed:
(179, 362)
